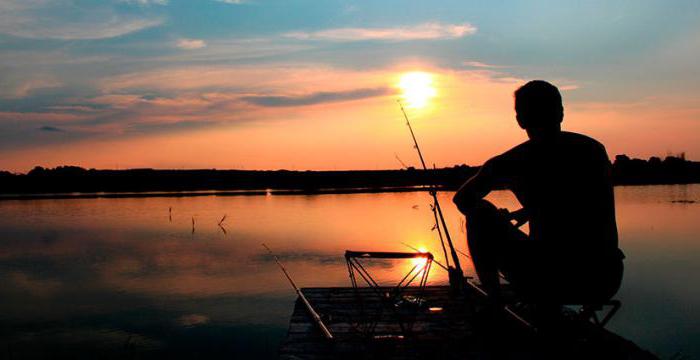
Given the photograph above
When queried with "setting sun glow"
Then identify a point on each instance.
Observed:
(417, 88)
(420, 261)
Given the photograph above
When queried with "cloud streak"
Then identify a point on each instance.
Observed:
(66, 20)
(146, 2)
(50, 129)
(481, 65)
(169, 100)
(425, 31)
(190, 44)
(316, 98)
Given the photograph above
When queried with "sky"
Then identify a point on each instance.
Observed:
(313, 84)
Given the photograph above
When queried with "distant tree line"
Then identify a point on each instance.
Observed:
(67, 179)
(670, 170)
(76, 179)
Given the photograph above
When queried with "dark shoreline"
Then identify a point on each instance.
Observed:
(269, 192)
(70, 182)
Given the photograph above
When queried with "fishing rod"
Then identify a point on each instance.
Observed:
(309, 308)
(481, 291)
(455, 273)
(442, 242)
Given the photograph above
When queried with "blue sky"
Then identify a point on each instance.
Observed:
(75, 73)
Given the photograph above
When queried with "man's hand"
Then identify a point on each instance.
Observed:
(520, 216)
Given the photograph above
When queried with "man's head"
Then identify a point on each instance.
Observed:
(538, 108)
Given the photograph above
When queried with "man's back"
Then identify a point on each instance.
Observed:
(563, 181)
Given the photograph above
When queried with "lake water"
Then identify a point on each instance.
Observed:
(90, 277)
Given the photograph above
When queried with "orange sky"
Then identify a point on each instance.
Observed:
(469, 119)
(312, 85)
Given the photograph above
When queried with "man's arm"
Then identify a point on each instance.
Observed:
(475, 188)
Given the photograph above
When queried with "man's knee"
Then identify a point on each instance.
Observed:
(486, 223)
(483, 211)
(481, 206)
(482, 224)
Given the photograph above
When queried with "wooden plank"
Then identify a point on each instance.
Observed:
(453, 333)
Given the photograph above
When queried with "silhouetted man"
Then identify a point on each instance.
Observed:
(563, 183)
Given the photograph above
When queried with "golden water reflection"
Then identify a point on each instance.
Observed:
(97, 258)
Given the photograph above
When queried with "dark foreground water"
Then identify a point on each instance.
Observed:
(121, 278)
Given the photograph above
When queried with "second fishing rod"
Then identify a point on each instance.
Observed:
(454, 270)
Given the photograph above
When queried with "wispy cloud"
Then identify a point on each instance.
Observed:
(426, 31)
(31, 85)
(50, 129)
(171, 98)
(568, 87)
(67, 20)
(316, 98)
(145, 2)
(41, 117)
(249, 79)
(234, 2)
(481, 65)
(190, 44)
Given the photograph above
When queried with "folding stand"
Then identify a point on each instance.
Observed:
(402, 307)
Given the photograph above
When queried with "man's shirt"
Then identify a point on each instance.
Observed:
(564, 183)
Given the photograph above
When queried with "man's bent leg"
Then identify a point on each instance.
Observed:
(490, 236)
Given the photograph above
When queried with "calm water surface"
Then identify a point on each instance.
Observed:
(87, 278)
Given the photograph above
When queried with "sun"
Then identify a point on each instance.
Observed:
(417, 88)
(420, 261)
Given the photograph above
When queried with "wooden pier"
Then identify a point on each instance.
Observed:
(440, 326)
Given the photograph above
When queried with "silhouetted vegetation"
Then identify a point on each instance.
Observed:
(66, 179)
(69, 179)
(670, 170)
